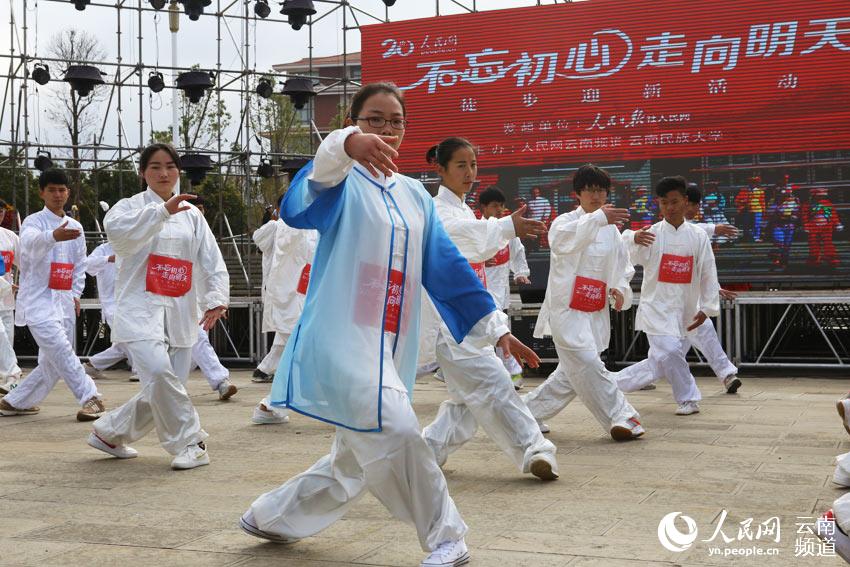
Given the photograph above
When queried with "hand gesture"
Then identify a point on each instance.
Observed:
(372, 152)
(511, 346)
(211, 316)
(699, 319)
(643, 237)
(619, 299)
(526, 228)
(111, 259)
(726, 230)
(175, 204)
(726, 294)
(61, 234)
(615, 215)
(522, 280)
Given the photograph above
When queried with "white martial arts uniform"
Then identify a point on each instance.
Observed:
(206, 359)
(153, 249)
(498, 269)
(10, 372)
(99, 266)
(49, 312)
(588, 260)
(363, 299)
(480, 388)
(683, 257)
(704, 339)
(287, 254)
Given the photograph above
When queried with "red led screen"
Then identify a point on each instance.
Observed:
(622, 79)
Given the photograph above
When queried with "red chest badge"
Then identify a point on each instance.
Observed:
(502, 257)
(61, 275)
(168, 276)
(676, 269)
(478, 268)
(588, 295)
(304, 280)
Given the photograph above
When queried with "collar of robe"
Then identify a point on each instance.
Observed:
(449, 197)
(379, 182)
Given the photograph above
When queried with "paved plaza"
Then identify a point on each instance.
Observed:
(767, 452)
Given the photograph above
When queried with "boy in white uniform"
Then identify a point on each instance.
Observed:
(498, 270)
(10, 372)
(589, 268)
(52, 264)
(679, 291)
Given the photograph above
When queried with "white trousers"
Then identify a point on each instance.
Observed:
(841, 511)
(270, 362)
(395, 465)
(666, 359)
(510, 363)
(582, 373)
(111, 356)
(56, 361)
(162, 402)
(482, 394)
(10, 372)
(205, 358)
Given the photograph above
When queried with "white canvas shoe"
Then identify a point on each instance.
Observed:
(843, 407)
(732, 383)
(544, 466)
(93, 372)
(249, 526)
(544, 428)
(226, 390)
(117, 451)
(687, 408)
(448, 554)
(627, 430)
(828, 530)
(191, 457)
(267, 415)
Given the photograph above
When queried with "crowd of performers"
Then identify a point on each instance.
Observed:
(362, 260)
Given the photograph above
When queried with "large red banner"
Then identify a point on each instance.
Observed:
(622, 79)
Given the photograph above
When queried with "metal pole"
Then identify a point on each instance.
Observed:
(174, 26)
(25, 87)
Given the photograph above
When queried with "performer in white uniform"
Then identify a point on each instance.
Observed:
(287, 256)
(10, 372)
(589, 267)
(165, 251)
(363, 300)
(480, 389)
(679, 292)
(498, 270)
(705, 337)
(52, 263)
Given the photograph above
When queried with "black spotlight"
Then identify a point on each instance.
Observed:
(157, 4)
(83, 78)
(195, 166)
(389, 2)
(261, 8)
(264, 88)
(43, 161)
(297, 12)
(195, 84)
(80, 4)
(194, 8)
(155, 81)
(299, 90)
(265, 169)
(41, 74)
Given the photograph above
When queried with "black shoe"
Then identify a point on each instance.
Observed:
(260, 376)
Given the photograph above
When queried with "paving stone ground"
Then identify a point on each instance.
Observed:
(767, 452)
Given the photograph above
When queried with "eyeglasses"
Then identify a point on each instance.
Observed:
(380, 122)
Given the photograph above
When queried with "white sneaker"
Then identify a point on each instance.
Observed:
(517, 381)
(118, 451)
(731, 383)
(843, 407)
(687, 408)
(438, 375)
(448, 554)
(840, 477)
(93, 372)
(627, 430)
(192, 456)
(249, 526)
(544, 466)
(134, 377)
(266, 415)
(226, 390)
(649, 387)
(543, 427)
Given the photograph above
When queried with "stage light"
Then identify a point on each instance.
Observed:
(155, 81)
(43, 161)
(41, 74)
(80, 4)
(297, 12)
(157, 4)
(83, 78)
(265, 169)
(194, 8)
(389, 2)
(195, 166)
(195, 84)
(262, 9)
(299, 90)
(264, 88)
